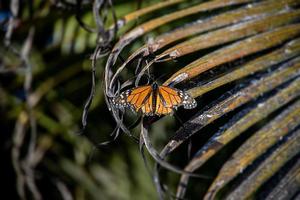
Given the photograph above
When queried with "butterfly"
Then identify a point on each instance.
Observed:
(154, 99)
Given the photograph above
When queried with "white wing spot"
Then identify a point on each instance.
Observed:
(188, 101)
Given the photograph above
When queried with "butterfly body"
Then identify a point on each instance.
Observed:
(154, 93)
(154, 99)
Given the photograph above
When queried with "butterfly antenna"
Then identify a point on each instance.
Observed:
(161, 76)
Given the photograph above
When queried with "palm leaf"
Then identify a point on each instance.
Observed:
(264, 35)
(238, 58)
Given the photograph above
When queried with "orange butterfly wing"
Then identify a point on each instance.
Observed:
(173, 98)
(160, 108)
(170, 97)
(139, 98)
(142, 98)
(147, 107)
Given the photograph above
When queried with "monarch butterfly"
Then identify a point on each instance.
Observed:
(154, 99)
